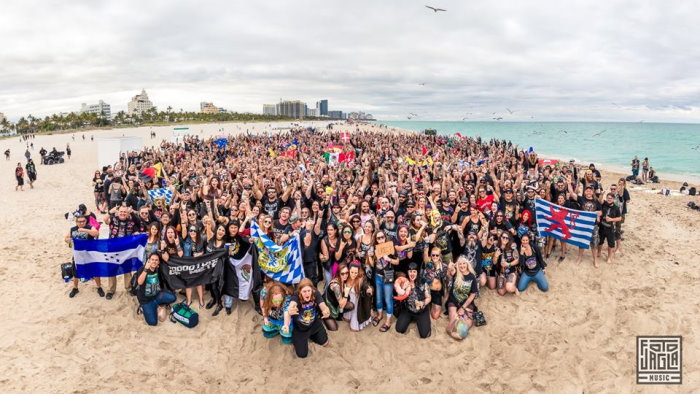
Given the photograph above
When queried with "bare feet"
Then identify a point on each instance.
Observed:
(578, 260)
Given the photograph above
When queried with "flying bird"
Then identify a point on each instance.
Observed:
(564, 131)
(696, 147)
(509, 111)
(422, 84)
(498, 118)
(600, 132)
(435, 9)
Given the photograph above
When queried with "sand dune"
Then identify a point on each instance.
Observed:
(579, 337)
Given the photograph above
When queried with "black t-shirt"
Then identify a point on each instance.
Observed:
(391, 233)
(309, 253)
(509, 208)
(473, 254)
(272, 207)
(611, 210)
(487, 255)
(281, 229)
(150, 287)
(472, 227)
(459, 292)
(309, 312)
(587, 205)
(75, 234)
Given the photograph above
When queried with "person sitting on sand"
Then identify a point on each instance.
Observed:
(274, 300)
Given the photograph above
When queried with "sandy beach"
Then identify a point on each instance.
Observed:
(578, 337)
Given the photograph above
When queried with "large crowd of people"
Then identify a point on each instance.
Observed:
(457, 214)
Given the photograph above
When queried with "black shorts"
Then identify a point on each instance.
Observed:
(607, 233)
(436, 297)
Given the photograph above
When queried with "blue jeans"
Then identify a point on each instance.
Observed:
(539, 278)
(228, 301)
(327, 277)
(384, 295)
(150, 309)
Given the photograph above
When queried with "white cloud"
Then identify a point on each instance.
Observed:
(548, 59)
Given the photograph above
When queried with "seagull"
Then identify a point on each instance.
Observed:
(617, 105)
(498, 118)
(600, 132)
(435, 9)
(465, 118)
(422, 84)
(564, 131)
(509, 111)
(696, 147)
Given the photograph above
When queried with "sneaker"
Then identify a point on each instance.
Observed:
(100, 292)
(73, 292)
(109, 296)
(228, 311)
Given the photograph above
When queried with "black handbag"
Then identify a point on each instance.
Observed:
(67, 271)
(388, 276)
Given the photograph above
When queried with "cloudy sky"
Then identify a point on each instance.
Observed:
(544, 60)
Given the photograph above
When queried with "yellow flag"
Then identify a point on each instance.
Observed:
(410, 161)
(272, 153)
(159, 167)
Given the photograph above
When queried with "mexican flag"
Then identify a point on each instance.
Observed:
(333, 158)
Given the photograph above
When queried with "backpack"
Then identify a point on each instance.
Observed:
(134, 290)
(185, 315)
(692, 191)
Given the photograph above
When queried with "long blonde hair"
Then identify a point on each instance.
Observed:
(458, 275)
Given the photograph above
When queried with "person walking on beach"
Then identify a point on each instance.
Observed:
(68, 152)
(19, 175)
(31, 172)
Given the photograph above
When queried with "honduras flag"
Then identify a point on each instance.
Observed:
(108, 257)
(568, 225)
(162, 192)
(282, 263)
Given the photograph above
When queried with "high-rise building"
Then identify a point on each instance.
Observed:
(312, 112)
(139, 104)
(322, 108)
(269, 109)
(101, 109)
(336, 115)
(208, 108)
(292, 109)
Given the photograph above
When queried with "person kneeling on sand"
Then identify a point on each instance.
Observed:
(416, 305)
(463, 291)
(149, 291)
(306, 309)
(274, 300)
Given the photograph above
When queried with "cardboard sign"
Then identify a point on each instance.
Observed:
(384, 249)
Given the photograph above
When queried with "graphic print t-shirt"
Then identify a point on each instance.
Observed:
(308, 311)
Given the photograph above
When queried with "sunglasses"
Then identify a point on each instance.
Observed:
(434, 255)
(504, 237)
(193, 230)
(378, 238)
(268, 222)
(344, 273)
(347, 232)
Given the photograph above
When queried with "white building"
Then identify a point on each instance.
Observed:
(269, 109)
(208, 108)
(139, 104)
(2, 117)
(101, 109)
(313, 112)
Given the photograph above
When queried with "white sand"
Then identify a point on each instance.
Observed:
(579, 337)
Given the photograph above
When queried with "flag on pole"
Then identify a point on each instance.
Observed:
(103, 258)
(282, 263)
(162, 192)
(568, 225)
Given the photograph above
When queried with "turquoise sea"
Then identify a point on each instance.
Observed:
(673, 149)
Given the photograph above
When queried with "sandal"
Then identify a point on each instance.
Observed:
(376, 320)
(385, 327)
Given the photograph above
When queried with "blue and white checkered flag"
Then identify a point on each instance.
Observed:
(162, 192)
(282, 263)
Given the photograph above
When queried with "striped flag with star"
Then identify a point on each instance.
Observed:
(103, 258)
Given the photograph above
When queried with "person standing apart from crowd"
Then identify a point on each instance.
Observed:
(19, 175)
(82, 230)
(68, 151)
(635, 167)
(609, 218)
(645, 169)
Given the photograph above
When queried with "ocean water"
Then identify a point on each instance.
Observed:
(669, 146)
